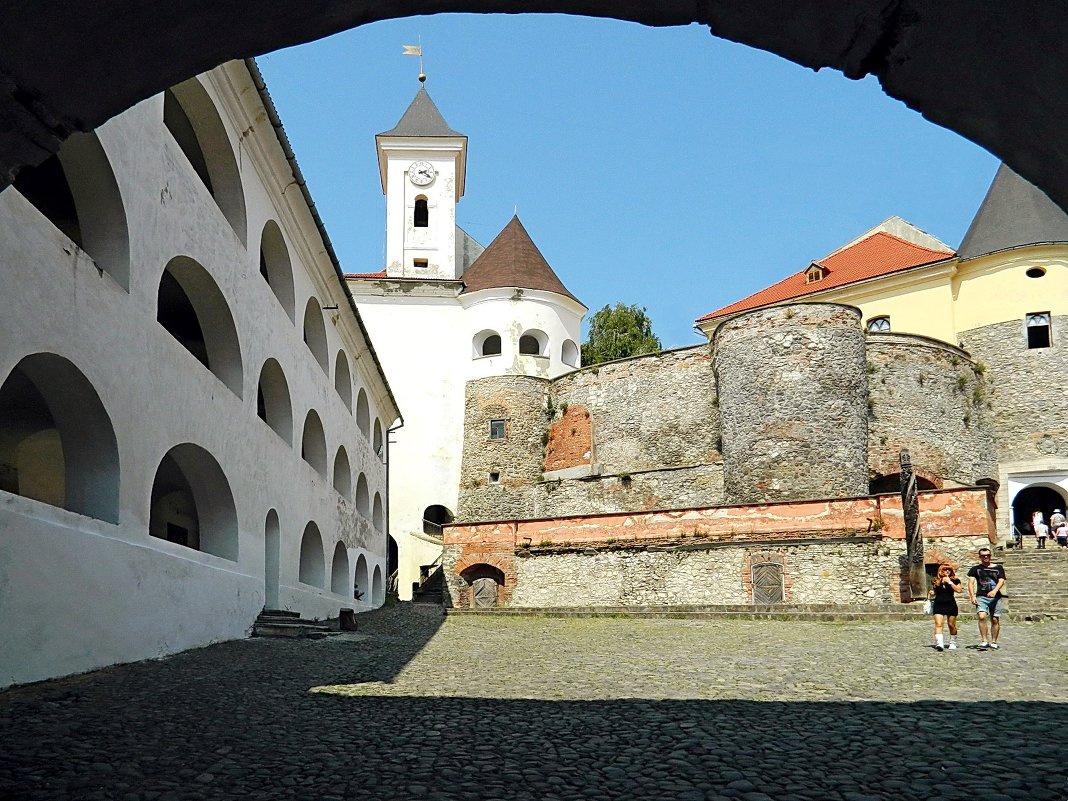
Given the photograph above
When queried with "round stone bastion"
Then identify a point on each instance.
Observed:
(793, 398)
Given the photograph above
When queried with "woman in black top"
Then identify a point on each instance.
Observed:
(944, 594)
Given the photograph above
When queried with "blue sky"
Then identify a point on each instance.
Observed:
(656, 166)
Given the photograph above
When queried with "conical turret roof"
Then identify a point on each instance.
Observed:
(421, 119)
(1014, 212)
(513, 260)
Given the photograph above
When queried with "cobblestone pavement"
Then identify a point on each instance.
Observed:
(413, 707)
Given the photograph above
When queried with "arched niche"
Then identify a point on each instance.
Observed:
(378, 517)
(486, 343)
(76, 190)
(534, 342)
(57, 442)
(570, 353)
(378, 587)
(273, 404)
(313, 443)
(342, 474)
(191, 503)
(363, 414)
(343, 379)
(339, 570)
(312, 567)
(361, 583)
(363, 502)
(315, 333)
(194, 122)
(276, 267)
(194, 311)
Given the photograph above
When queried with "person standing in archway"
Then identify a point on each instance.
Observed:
(985, 581)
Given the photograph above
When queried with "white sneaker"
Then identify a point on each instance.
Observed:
(994, 645)
(953, 646)
(983, 645)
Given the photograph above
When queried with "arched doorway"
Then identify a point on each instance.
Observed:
(1037, 497)
(485, 583)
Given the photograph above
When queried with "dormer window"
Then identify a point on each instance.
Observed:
(814, 274)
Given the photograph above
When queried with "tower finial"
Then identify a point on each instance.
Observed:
(416, 50)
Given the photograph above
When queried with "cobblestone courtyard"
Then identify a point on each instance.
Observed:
(413, 707)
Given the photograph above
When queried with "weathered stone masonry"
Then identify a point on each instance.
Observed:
(833, 551)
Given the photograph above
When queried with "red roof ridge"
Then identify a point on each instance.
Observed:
(873, 256)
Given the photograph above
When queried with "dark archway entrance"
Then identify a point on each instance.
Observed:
(70, 67)
(1031, 499)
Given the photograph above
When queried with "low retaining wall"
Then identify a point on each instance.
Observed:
(829, 551)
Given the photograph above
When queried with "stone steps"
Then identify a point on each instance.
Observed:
(283, 623)
(826, 613)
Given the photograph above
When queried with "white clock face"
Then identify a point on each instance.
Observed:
(421, 173)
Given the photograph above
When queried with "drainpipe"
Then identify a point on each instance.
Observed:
(385, 445)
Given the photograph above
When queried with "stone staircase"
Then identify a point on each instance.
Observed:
(283, 623)
(431, 589)
(1036, 580)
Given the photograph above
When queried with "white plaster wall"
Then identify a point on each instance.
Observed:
(80, 593)
(437, 242)
(511, 314)
(422, 343)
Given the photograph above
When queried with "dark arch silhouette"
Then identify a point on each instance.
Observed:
(69, 67)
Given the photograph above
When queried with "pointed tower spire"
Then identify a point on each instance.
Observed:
(513, 260)
(1014, 212)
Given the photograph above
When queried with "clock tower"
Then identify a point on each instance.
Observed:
(422, 163)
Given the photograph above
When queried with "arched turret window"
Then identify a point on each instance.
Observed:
(421, 216)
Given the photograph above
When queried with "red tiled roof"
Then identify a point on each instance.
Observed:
(379, 274)
(877, 255)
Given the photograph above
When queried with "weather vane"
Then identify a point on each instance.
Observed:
(417, 50)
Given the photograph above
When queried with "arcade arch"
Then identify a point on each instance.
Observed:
(342, 474)
(363, 414)
(361, 582)
(313, 443)
(343, 379)
(378, 587)
(76, 190)
(273, 405)
(194, 311)
(57, 442)
(312, 567)
(276, 266)
(339, 570)
(191, 503)
(192, 119)
(315, 333)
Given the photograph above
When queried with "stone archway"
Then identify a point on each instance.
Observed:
(70, 67)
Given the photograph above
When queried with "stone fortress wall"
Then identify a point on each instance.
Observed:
(1027, 389)
(793, 397)
(788, 405)
(931, 398)
(639, 433)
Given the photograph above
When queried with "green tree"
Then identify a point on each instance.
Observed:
(617, 332)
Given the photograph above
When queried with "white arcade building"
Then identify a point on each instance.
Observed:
(192, 416)
(443, 312)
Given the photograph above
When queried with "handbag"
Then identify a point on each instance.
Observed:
(928, 607)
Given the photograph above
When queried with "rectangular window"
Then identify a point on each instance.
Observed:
(421, 263)
(495, 478)
(1038, 330)
(497, 429)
